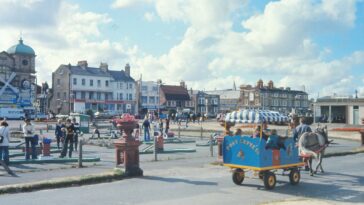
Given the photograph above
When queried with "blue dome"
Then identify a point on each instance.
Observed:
(21, 48)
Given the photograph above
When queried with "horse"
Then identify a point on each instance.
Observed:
(312, 145)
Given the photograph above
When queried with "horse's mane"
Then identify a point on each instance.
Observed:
(310, 143)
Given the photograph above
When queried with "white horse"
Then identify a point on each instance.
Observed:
(312, 145)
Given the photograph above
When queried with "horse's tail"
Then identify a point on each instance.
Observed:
(301, 145)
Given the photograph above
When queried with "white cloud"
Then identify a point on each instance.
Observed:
(278, 43)
(118, 4)
(66, 39)
(149, 16)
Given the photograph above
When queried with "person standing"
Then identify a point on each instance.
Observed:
(161, 125)
(4, 143)
(167, 126)
(299, 130)
(146, 126)
(70, 130)
(28, 131)
(77, 131)
(58, 132)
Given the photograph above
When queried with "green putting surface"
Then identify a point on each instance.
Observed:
(54, 160)
(166, 151)
(173, 141)
(19, 154)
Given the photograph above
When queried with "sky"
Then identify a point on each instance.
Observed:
(315, 45)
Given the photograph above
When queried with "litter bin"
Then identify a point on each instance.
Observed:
(362, 136)
(83, 120)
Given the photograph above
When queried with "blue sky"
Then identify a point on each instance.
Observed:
(209, 44)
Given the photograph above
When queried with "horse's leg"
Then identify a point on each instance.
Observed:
(321, 156)
(310, 166)
(319, 162)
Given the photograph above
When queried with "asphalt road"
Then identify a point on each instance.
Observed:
(195, 181)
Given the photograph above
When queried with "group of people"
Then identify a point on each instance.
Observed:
(273, 141)
(161, 126)
(67, 133)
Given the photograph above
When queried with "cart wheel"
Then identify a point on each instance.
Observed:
(269, 179)
(294, 176)
(238, 176)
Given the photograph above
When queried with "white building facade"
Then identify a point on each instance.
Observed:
(81, 88)
(149, 96)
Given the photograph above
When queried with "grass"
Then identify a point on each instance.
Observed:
(116, 174)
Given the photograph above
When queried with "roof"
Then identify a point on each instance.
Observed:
(172, 92)
(225, 94)
(78, 70)
(283, 90)
(120, 76)
(21, 48)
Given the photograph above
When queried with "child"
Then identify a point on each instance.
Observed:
(274, 141)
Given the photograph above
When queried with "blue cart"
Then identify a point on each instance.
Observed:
(244, 153)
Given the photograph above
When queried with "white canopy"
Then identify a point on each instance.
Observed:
(255, 116)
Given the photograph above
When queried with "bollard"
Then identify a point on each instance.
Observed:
(179, 131)
(211, 146)
(155, 147)
(80, 143)
(201, 130)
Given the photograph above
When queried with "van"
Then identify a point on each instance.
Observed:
(12, 113)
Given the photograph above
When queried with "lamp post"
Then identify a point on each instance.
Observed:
(159, 82)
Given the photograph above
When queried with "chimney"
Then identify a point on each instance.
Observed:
(127, 69)
(104, 66)
(182, 84)
(83, 64)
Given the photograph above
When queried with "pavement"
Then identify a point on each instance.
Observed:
(29, 173)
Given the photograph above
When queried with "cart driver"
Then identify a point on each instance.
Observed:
(299, 130)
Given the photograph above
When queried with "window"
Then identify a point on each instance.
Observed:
(74, 81)
(284, 103)
(83, 82)
(131, 86)
(144, 88)
(201, 101)
(64, 95)
(83, 95)
(130, 96)
(98, 96)
(98, 83)
(275, 94)
(120, 85)
(91, 82)
(121, 96)
(91, 95)
(275, 102)
(58, 81)
(58, 95)
(144, 99)
(106, 96)
(152, 100)
(155, 88)
(106, 83)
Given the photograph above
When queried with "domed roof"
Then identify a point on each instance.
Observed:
(21, 48)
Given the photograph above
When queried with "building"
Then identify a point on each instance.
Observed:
(17, 77)
(175, 98)
(228, 99)
(80, 88)
(149, 96)
(205, 103)
(334, 109)
(269, 97)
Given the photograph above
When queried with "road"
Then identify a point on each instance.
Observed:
(195, 181)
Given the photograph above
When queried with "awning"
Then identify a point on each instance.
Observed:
(255, 116)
